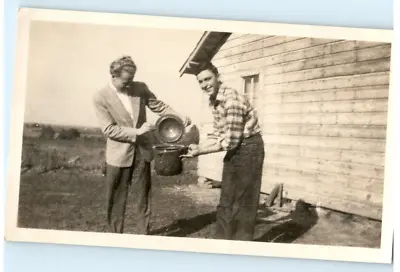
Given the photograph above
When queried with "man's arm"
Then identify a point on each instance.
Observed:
(159, 107)
(203, 149)
(233, 130)
(108, 126)
(212, 148)
(211, 145)
(155, 105)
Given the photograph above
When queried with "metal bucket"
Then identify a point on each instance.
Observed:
(167, 161)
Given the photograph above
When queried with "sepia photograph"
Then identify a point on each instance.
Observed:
(202, 136)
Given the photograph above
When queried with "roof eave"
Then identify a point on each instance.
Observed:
(201, 53)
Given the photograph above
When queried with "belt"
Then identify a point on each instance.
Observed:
(253, 139)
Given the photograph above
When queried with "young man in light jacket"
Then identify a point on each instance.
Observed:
(121, 112)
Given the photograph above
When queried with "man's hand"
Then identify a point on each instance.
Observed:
(146, 127)
(192, 152)
(194, 148)
(187, 122)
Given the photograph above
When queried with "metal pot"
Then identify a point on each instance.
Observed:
(167, 161)
(169, 129)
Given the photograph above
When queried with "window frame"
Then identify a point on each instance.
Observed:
(256, 93)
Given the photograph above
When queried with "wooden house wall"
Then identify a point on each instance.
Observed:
(322, 104)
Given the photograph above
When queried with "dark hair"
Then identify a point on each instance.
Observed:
(206, 66)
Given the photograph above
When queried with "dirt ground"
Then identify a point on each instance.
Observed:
(69, 193)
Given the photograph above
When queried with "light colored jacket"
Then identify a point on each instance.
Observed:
(121, 129)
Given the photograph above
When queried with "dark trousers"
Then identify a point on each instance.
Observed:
(240, 191)
(120, 181)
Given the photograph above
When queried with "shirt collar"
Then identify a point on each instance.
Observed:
(220, 96)
(112, 86)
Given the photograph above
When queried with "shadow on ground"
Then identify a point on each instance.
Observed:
(294, 225)
(186, 227)
(285, 229)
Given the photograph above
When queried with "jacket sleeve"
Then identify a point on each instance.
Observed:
(159, 107)
(154, 104)
(109, 127)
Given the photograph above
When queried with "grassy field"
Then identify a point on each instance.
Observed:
(62, 187)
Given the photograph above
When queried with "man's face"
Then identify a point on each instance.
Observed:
(208, 82)
(124, 81)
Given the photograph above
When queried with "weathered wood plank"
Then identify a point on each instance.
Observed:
(303, 55)
(364, 92)
(355, 68)
(327, 166)
(272, 50)
(257, 44)
(344, 181)
(347, 106)
(336, 155)
(335, 83)
(339, 82)
(329, 190)
(370, 211)
(370, 132)
(371, 145)
(233, 42)
(357, 118)
(360, 55)
(353, 56)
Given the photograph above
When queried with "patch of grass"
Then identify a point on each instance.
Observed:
(73, 198)
(42, 160)
(43, 155)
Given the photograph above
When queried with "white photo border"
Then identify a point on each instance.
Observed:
(335, 253)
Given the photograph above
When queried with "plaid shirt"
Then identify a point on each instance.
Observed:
(234, 118)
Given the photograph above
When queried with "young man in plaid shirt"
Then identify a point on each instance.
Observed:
(237, 131)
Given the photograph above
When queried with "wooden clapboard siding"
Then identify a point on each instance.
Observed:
(338, 106)
(355, 93)
(354, 118)
(370, 210)
(236, 40)
(313, 54)
(328, 166)
(322, 105)
(333, 190)
(336, 82)
(343, 131)
(318, 57)
(355, 68)
(371, 145)
(257, 46)
(328, 154)
(344, 181)
(279, 48)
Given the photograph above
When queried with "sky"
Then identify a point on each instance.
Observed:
(69, 62)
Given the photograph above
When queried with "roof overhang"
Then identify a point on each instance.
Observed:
(206, 48)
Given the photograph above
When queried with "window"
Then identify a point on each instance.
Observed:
(250, 87)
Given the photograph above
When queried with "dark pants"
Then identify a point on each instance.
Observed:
(240, 191)
(119, 180)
